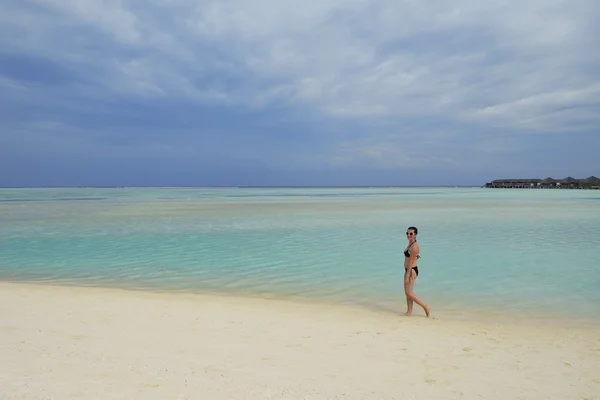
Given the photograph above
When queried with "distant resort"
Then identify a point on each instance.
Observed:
(549, 183)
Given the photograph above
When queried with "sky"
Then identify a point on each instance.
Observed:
(285, 93)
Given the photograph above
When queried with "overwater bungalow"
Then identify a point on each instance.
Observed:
(591, 182)
(513, 183)
(548, 183)
(569, 183)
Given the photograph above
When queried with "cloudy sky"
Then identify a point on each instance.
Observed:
(275, 92)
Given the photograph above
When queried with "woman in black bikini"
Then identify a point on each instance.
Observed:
(411, 271)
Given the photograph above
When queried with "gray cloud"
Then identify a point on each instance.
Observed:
(481, 71)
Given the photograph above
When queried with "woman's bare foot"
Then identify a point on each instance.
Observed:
(427, 311)
(407, 314)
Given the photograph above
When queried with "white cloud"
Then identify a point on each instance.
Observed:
(350, 59)
(108, 15)
(14, 86)
(550, 111)
(403, 58)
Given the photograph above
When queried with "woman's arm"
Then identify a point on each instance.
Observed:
(407, 275)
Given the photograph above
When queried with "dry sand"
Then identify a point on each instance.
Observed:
(92, 343)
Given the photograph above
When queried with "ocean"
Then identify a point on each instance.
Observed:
(513, 252)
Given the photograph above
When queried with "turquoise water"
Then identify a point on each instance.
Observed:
(518, 252)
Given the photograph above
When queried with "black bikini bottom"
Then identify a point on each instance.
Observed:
(416, 269)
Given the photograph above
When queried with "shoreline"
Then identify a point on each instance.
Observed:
(82, 342)
(482, 314)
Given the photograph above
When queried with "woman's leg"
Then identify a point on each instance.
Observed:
(410, 295)
(409, 306)
(408, 289)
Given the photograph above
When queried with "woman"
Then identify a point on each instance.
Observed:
(411, 271)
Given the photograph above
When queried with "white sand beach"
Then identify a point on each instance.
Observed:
(95, 343)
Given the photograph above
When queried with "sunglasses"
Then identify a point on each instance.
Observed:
(410, 233)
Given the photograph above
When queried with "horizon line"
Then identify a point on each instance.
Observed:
(232, 186)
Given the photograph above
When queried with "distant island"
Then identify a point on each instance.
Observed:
(548, 183)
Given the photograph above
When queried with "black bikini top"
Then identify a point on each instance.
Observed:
(407, 254)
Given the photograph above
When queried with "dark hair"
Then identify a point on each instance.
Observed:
(412, 228)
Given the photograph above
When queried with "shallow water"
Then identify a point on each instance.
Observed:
(520, 252)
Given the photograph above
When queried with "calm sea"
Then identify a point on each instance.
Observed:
(505, 251)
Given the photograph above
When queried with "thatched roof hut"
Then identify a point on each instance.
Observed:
(589, 181)
(547, 182)
(569, 181)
